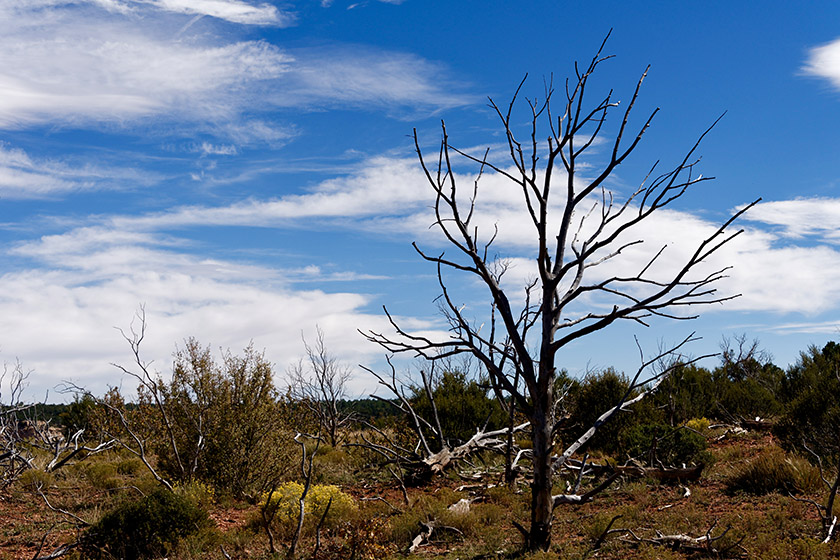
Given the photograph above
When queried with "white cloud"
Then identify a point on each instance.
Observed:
(125, 75)
(388, 196)
(230, 10)
(801, 217)
(772, 274)
(824, 62)
(382, 186)
(22, 176)
(208, 149)
(89, 280)
(361, 76)
(78, 64)
(235, 11)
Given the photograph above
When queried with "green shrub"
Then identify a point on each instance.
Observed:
(812, 418)
(775, 471)
(660, 443)
(224, 418)
(101, 475)
(199, 493)
(81, 415)
(463, 405)
(130, 466)
(33, 480)
(596, 394)
(687, 392)
(148, 528)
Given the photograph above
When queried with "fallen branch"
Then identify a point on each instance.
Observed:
(704, 544)
(424, 536)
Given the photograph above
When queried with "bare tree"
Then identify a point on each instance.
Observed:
(321, 387)
(28, 441)
(13, 459)
(574, 236)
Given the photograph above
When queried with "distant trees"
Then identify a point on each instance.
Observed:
(577, 225)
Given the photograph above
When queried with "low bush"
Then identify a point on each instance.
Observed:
(200, 494)
(101, 474)
(658, 443)
(700, 425)
(148, 528)
(286, 499)
(775, 471)
(34, 480)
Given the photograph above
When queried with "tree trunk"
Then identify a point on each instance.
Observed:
(542, 506)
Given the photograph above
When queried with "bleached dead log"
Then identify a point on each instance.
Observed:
(704, 544)
(425, 535)
(480, 441)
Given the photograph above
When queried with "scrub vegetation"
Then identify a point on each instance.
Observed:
(692, 471)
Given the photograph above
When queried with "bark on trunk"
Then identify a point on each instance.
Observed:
(542, 504)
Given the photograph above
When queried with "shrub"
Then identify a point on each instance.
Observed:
(198, 493)
(101, 475)
(148, 528)
(687, 392)
(812, 418)
(360, 539)
(775, 471)
(34, 480)
(81, 415)
(670, 446)
(130, 466)
(463, 405)
(225, 418)
(286, 499)
(700, 425)
(596, 394)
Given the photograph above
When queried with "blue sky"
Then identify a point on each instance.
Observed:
(245, 171)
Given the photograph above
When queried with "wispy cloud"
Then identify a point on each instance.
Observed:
(235, 11)
(22, 176)
(388, 196)
(230, 10)
(83, 63)
(824, 62)
(801, 217)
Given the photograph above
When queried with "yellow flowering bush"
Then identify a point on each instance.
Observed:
(286, 498)
(700, 425)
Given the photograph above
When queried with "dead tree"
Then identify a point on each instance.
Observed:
(321, 388)
(14, 459)
(27, 442)
(578, 227)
